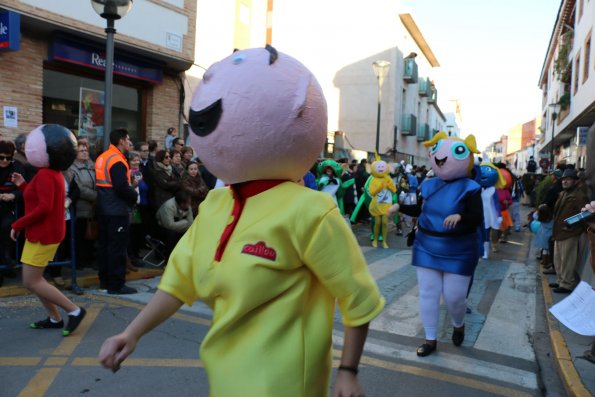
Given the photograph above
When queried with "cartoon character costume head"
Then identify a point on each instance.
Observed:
(327, 164)
(451, 157)
(51, 146)
(509, 180)
(491, 176)
(272, 128)
(379, 169)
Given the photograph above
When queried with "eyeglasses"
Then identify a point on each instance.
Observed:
(167, 157)
(5, 158)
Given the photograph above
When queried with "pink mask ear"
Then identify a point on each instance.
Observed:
(299, 96)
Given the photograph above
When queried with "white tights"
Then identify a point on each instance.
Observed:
(433, 283)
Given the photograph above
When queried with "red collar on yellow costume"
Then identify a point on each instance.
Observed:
(241, 192)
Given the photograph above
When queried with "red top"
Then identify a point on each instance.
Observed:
(44, 208)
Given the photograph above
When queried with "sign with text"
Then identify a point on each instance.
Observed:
(10, 31)
(87, 54)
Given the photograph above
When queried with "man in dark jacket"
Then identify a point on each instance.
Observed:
(566, 251)
(115, 199)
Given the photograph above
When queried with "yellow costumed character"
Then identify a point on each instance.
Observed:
(381, 189)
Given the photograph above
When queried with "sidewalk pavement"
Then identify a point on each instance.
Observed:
(85, 278)
(577, 373)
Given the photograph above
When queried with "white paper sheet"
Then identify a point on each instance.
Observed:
(577, 311)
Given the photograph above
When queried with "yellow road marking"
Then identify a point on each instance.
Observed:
(68, 344)
(55, 361)
(40, 383)
(38, 386)
(19, 361)
(443, 377)
(426, 373)
(142, 362)
(139, 306)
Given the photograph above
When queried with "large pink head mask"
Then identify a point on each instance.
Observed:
(450, 157)
(258, 114)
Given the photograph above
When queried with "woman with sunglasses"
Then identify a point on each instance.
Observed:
(10, 199)
(166, 182)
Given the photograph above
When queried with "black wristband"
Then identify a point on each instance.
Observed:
(353, 370)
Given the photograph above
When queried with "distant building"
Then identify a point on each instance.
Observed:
(338, 41)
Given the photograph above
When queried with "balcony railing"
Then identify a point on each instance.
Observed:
(424, 87)
(410, 72)
(433, 97)
(409, 126)
(423, 132)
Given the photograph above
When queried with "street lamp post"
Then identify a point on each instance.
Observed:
(109, 10)
(555, 109)
(380, 70)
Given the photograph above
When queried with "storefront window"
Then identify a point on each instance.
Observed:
(76, 102)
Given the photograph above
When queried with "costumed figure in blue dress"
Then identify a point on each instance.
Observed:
(445, 251)
(491, 179)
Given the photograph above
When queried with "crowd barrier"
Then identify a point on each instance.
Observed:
(70, 262)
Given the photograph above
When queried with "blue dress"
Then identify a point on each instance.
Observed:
(447, 250)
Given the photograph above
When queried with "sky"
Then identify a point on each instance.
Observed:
(491, 54)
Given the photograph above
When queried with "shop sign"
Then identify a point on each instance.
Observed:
(10, 31)
(89, 55)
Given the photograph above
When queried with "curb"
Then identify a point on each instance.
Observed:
(83, 281)
(570, 378)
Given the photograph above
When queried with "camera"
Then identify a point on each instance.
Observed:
(584, 216)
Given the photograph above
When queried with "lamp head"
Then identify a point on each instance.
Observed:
(112, 9)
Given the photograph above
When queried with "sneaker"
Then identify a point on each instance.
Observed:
(73, 322)
(125, 290)
(46, 324)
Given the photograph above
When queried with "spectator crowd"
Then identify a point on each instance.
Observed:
(154, 191)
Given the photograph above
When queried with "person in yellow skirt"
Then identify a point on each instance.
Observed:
(52, 149)
(271, 258)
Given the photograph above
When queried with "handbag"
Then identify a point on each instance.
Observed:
(91, 229)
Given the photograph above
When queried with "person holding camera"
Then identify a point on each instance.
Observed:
(566, 239)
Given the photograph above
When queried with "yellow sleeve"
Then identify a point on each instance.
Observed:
(391, 185)
(177, 280)
(334, 256)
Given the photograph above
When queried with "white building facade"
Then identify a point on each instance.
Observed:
(568, 80)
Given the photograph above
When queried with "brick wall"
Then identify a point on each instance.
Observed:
(21, 84)
(162, 108)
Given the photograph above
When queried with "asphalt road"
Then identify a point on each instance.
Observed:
(505, 352)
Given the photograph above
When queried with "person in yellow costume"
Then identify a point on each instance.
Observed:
(381, 189)
(259, 252)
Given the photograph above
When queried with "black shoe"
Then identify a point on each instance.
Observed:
(549, 270)
(553, 285)
(426, 349)
(458, 336)
(562, 290)
(46, 324)
(73, 322)
(125, 290)
(399, 232)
